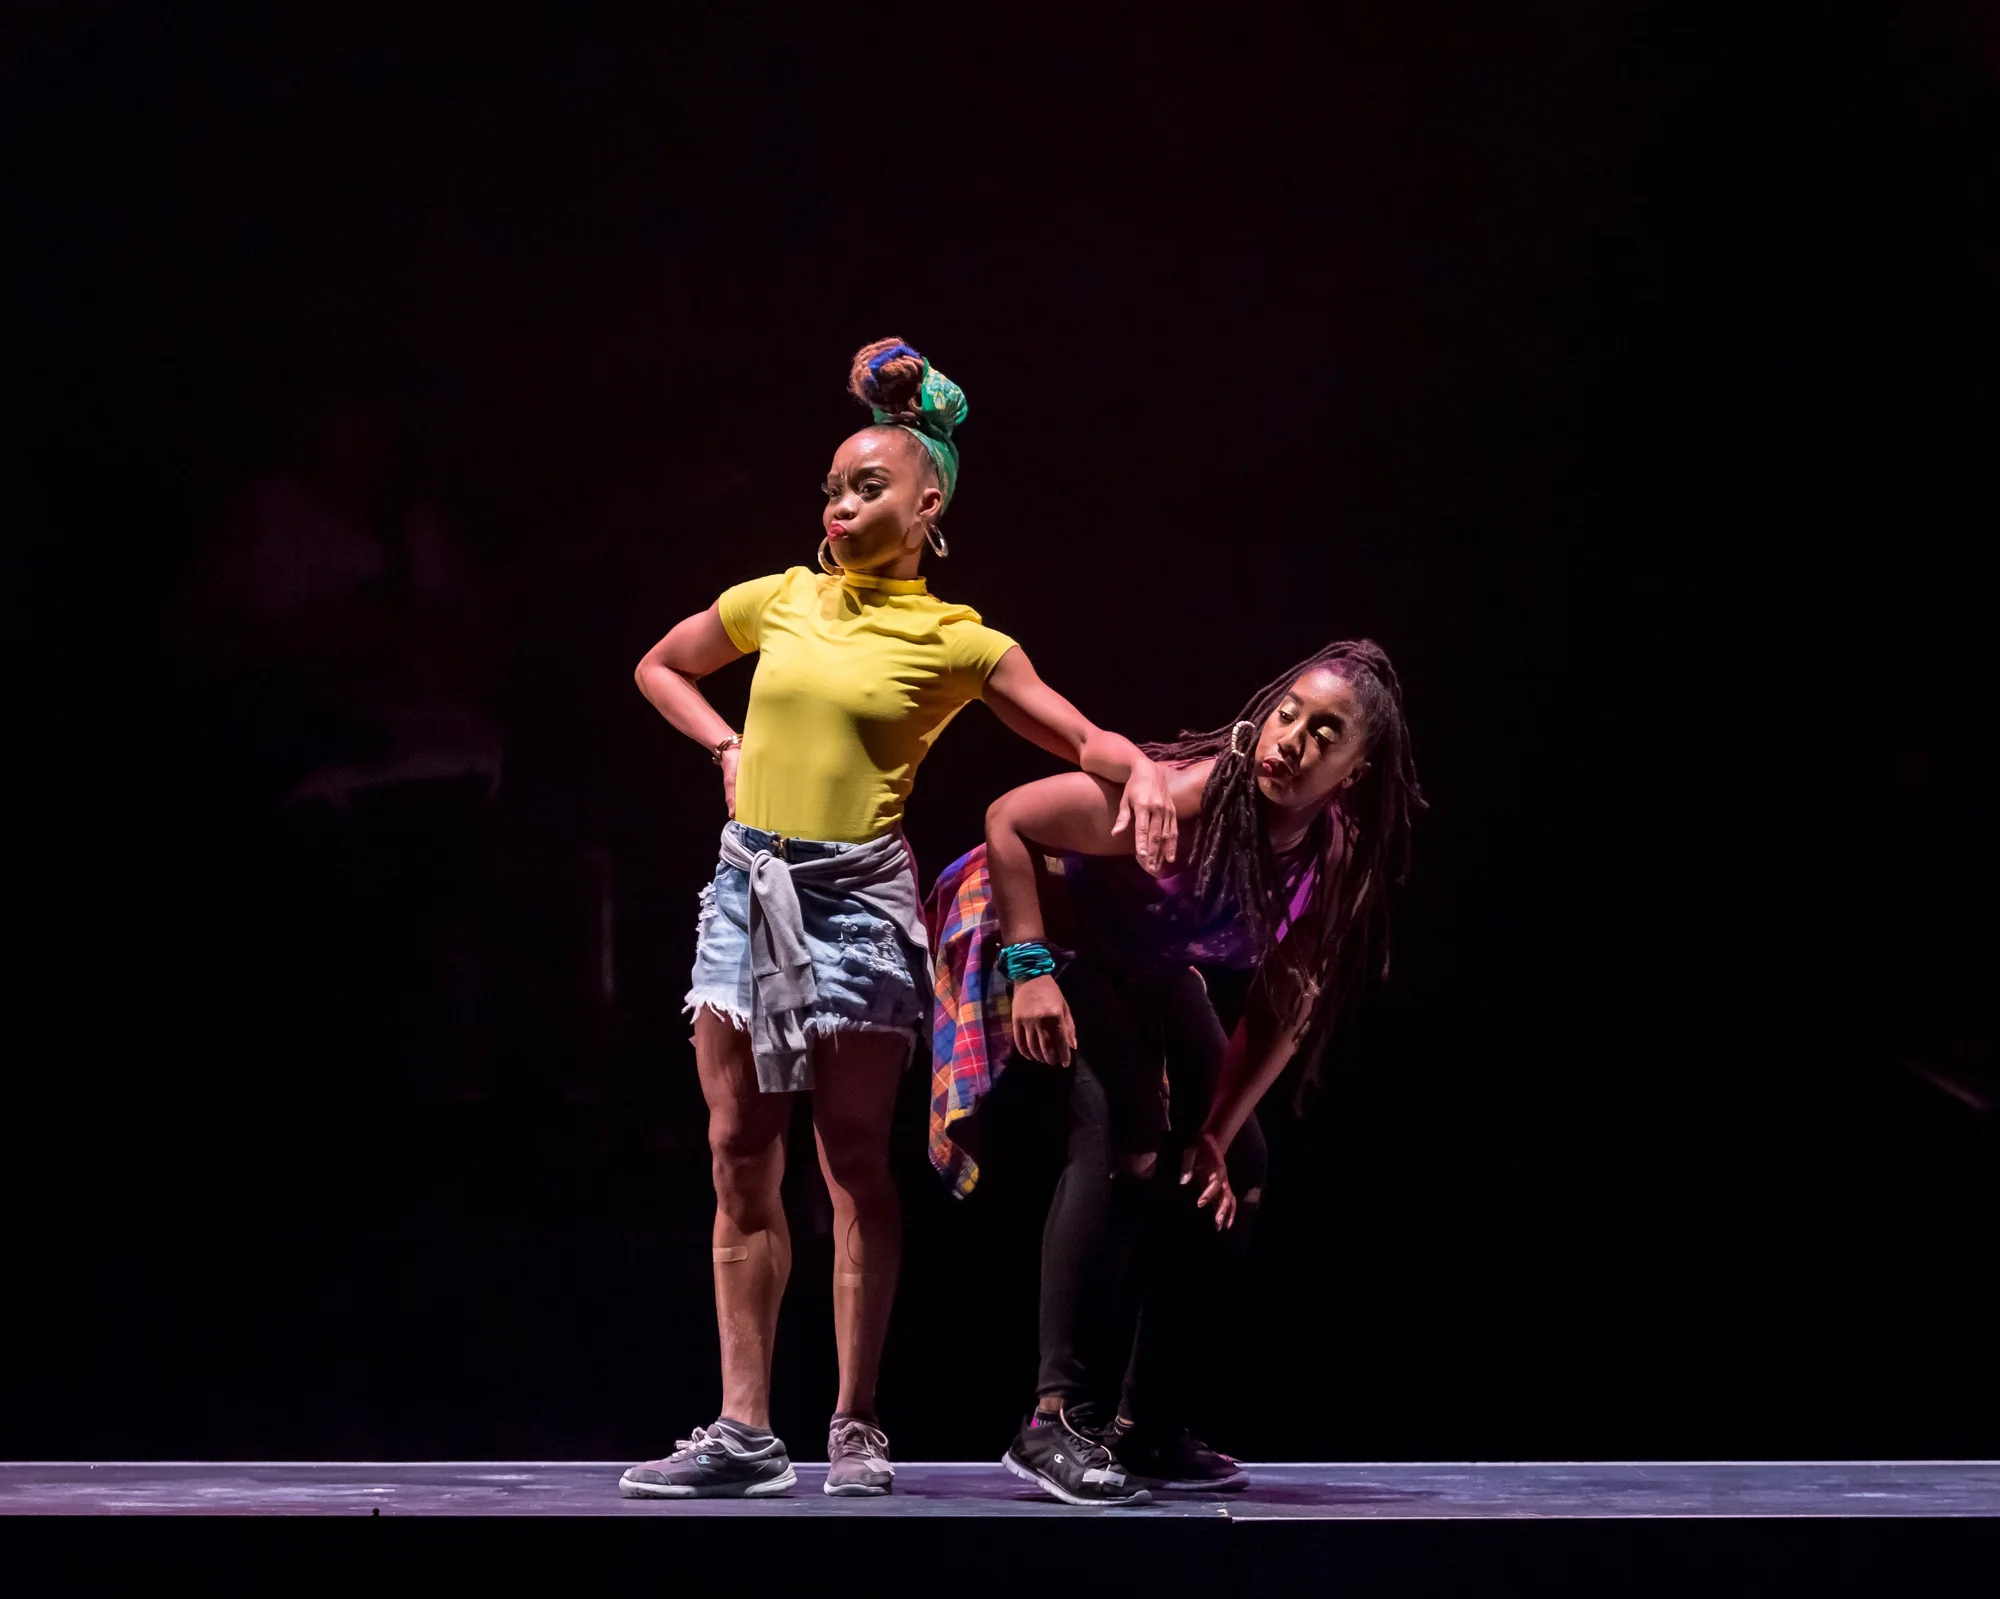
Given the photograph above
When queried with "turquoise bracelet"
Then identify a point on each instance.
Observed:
(1030, 958)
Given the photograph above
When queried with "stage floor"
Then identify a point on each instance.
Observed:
(1293, 1492)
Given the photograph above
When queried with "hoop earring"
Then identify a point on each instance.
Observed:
(1233, 750)
(935, 540)
(826, 561)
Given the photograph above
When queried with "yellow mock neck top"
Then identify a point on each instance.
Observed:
(856, 677)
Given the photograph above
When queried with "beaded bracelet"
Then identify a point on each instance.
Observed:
(1029, 958)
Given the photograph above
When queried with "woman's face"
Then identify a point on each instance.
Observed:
(1313, 744)
(879, 495)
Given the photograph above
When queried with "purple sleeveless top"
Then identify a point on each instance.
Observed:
(1122, 916)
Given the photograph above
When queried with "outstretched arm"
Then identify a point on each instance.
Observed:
(1073, 812)
(1028, 706)
(668, 673)
(1258, 1053)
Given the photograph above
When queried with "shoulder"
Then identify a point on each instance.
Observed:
(952, 614)
(1187, 781)
(976, 646)
(967, 639)
(742, 606)
(793, 580)
(757, 592)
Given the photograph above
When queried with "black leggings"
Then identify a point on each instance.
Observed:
(1123, 1236)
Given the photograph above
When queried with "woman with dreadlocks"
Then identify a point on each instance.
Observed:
(811, 963)
(1294, 821)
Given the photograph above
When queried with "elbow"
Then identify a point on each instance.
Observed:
(653, 665)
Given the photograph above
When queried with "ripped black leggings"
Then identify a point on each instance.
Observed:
(1124, 1238)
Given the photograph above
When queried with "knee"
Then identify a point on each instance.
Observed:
(1138, 1167)
(744, 1165)
(859, 1168)
(864, 1184)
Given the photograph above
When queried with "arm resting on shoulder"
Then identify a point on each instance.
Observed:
(1028, 706)
(1075, 811)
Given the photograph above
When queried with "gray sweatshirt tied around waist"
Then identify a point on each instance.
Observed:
(881, 873)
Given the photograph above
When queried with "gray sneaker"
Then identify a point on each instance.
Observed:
(718, 1462)
(858, 1452)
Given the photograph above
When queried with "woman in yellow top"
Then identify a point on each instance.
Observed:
(812, 966)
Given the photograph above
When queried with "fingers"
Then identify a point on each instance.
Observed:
(1124, 816)
(1024, 1046)
(1046, 1044)
(1225, 1211)
(1049, 1038)
(1157, 828)
(1171, 828)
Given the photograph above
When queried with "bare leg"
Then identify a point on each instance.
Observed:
(854, 1098)
(753, 1249)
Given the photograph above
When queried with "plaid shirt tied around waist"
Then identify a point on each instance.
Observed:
(970, 1037)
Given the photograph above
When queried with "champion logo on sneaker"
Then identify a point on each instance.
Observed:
(1069, 1464)
(717, 1461)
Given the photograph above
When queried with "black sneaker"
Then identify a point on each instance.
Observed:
(718, 1462)
(1073, 1466)
(1175, 1462)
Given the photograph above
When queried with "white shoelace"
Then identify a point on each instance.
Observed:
(1094, 1453)
(856, 1436)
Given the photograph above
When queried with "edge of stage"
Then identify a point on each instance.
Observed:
(1540, 1527)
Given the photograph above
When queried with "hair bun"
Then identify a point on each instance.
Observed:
(887, 375)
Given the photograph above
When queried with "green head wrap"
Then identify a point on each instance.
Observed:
(940, 408)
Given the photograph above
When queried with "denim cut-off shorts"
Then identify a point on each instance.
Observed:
(868, 980)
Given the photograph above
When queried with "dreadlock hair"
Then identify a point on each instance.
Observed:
(1360, 844)
(891, 387)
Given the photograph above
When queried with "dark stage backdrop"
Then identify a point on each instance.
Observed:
(1625, 370)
